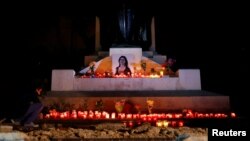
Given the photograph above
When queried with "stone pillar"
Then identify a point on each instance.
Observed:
(97, 34)
(152, 47)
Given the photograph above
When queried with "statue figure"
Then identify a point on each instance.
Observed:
(126, 22)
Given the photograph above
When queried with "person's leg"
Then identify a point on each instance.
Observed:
(32, 113)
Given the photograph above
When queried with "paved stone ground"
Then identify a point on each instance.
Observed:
(77, 130)
(103, 131)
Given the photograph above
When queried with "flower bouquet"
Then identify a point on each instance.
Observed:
(119, 105)
(150, 104)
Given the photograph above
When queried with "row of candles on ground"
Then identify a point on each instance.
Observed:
(145, 117)
(158, 123)
(133, 75)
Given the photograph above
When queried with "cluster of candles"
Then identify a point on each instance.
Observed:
(131, 120)
(158, 123)
(133, 75)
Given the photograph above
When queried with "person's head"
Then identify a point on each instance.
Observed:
(123, 61)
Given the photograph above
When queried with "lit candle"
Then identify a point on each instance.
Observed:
(91, 116)
(144, 118)
(130, 123)
(47, 116)
(113, 116)
(122, 115)
(135, 116)
(161, 73)
(233, 115)
(62, 116)
(129, 116)
(173, 123)
(165, 123)
(159, 123)
(107, 116)
(180, 123)
(98, 116)
(84, 116)
(169, 115)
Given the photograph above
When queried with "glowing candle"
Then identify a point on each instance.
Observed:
(84, 116)
(129, 116)
(161, 73)
(173, 123)
(91, 116)
(113, 116)
(165, 123)
(130, 123)
(98, 116)
(159, 123)
(107, 116)
(233, 115)
(122, 115)
(180, 123)
(47, 116)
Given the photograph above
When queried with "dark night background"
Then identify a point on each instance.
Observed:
(208, 37)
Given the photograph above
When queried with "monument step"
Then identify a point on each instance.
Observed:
(164, 101)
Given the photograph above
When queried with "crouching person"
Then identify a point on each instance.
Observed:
(34, 109)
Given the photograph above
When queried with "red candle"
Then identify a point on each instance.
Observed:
(130, 123)
(98, 116)
(169, 115)
(173, 123)
(180, 123)
(144, 119)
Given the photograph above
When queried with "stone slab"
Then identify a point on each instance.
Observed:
(165, 101)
